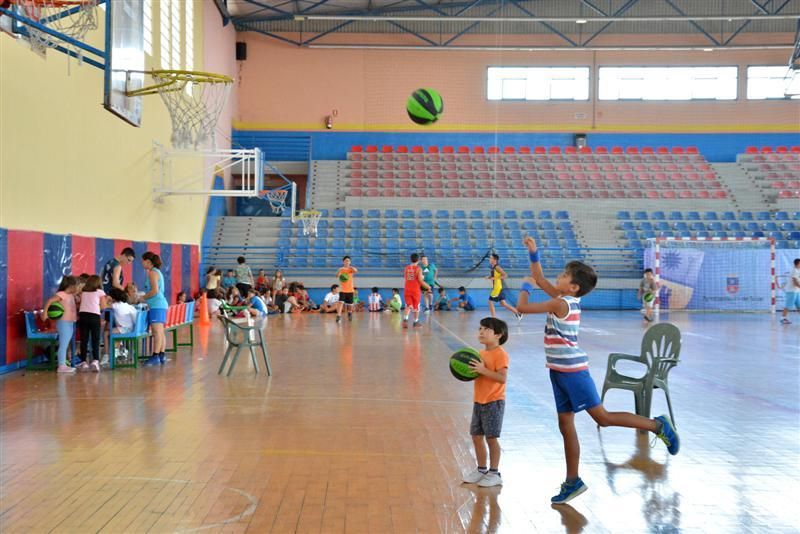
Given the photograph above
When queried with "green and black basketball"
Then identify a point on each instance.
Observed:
(425, 106)
(459, 364)
(344, 277)
(55, 311)
(649, 297)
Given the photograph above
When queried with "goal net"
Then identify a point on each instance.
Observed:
(713, 274)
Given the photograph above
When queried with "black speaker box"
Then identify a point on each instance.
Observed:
(241, 51)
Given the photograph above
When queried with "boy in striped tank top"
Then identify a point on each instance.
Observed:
(573, 387)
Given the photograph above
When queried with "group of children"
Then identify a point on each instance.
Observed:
(573, 387)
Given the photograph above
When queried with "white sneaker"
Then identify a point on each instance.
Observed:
(490, 479)
(64, 369)
(785, 321)
(95, 366)
(474, 477)
(104, 362)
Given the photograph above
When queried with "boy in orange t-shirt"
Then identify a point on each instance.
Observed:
(347, 290)
(490, 400)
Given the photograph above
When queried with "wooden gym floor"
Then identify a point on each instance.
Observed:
(362, 429)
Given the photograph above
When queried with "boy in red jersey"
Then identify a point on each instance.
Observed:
(414, 283)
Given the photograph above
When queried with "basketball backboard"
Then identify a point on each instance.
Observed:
(125, 49)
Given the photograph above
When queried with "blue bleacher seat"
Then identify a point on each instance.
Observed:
(320, 242)
(775, 235)
(665, 233)
(394, 225)
(758, 234)
(409, 244)
(645, 225)
(782, 244)
(408, 214)
(339, 233)
(445, 243)
(392, 244)
(763, 216)
(516, 235)
(286, 224)
(565, 225)
(697, 226)
(739, 234)
(319, 261)
(356, 213)
(657, 216)
(354, 232)
(338, 247)
(527, 214)
(745, 216)
(493, 214)
(425, 225)
(425, 214)
(392, 232)
(408, 234)
(390, 214)
(623, 215)
(445, 234)
(734, 225)
(496, 226)
(442, 214)
(372, 233)
(512, 225)
(770, 226)
(442, 225)
(374, 261)
(796, 216)
(428, 245)
(568, 234)
(635, 243)
(298, 261)
(684, 233)
(547, 225)
(787, 226)
(357, 224)
(720, 233)
(339, 213)
(794, 236)
(662, 226)
(339, 224)
(680, 226)
(459, 214)
(714, 226)
(648, 234)
(285, 232)
(751, 226)
(460, 225)
(675, 216)
(323, 212)
(374, 214)
(477, 224)
(408, 225)
(283, 242)
(529, 225)
(561, 214)
(640, 215)
(703, 234)
(302, 242)
(373, 224)
(692, 216)
(510, 214)
(545, 214)
(781, 216)
(323, 223)
(476, 214)
(631, 234)
(480, 233)
(427, 233)
(710, 216)
(728, 216)
(550, 234)
(322, 232)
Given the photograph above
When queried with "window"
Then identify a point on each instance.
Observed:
(189, 35)
(165, 34)
(765, 83)
(538, 83)
(668, 83)
(147, 22)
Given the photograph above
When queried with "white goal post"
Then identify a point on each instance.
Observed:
(713, 273)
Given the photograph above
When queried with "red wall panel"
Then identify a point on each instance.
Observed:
(82, 255)
(25, 281)
(177, 270)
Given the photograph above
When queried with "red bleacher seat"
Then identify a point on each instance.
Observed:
(677, 150)
(540, 150)
(601, 150)
(668, 194)
(632, 150)
(402, 149)
(356, 148)
(692, 150)
(372, 148)
(509, 150)
(782, 150)
(417, 150)
(585, 150)
(766, 150)
(617, 150)
(555, 150)
(463, 150)
(570, 150)
(478, 150)
(796, 150)
(648, 150)
(447, 150)
(355, 192)
(433, 150)
(527, 149)
(719, 193)
(387, 148)
(751, 150)
(662, 150)
(494, 150)
(453, 193)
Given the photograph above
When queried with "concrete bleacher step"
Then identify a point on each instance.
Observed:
(745, 193)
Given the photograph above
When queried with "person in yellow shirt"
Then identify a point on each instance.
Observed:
(497, 275)
(490, 400)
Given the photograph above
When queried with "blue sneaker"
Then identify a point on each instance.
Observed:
(162, 358)
(569, 490)
(668, 435)
(152, 360)
(76, 361)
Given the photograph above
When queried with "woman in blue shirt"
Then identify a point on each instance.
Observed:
(154, 296)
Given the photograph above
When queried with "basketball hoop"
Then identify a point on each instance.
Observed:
(309, 218)
(194, 100)
(51, 13)
(276, 198)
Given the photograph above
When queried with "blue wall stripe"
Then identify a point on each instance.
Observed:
(103, 251)
(186, 269)
(334, 145)
(139, 247)
(3, 293)
(56, 262)
(166, 270)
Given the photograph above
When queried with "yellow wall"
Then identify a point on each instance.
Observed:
(67, 165)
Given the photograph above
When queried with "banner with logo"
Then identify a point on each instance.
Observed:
(713, 276)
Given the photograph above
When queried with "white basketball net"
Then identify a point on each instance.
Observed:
(194, 102)
(277, 199)
(309, 218)
(46, 13)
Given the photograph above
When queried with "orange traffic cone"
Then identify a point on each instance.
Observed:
(204, 318)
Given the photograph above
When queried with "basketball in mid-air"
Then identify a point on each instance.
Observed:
(425, 106)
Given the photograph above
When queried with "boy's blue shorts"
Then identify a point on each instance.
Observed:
(157, 315)
(574, 392)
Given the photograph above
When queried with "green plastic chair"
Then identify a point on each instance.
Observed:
(239, 336)
(661, 348)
